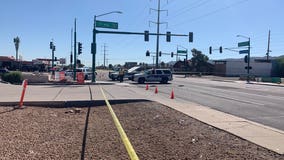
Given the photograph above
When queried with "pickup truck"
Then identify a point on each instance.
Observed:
(154, 75)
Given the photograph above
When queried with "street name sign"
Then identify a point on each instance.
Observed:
(243, 52)
(181, 51)
(106, 24)
(242, 44)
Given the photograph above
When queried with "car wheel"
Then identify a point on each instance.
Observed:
(141, 80)
(164, 80)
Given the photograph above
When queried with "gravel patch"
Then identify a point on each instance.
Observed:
(155, 131)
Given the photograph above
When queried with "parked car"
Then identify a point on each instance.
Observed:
(87, 72)
(69, 73)
(113, 75)
(127, 73)
(154, 75)
(132, 71)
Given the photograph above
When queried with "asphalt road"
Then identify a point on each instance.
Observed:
(258, 103)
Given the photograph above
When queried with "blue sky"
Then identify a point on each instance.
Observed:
(214, 23)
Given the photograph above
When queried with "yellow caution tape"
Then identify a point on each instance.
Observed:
(131, 152)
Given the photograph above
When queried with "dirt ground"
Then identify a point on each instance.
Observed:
(155, 131)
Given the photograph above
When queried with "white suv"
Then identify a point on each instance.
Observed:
(154, 75)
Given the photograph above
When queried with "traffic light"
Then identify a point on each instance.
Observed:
(168, 36)
(71, 58)
(78, 61)
(146, 36)
(51, 45)
(160, 54)
(79, 48)
(55, 58)
(147, 53)
(190, 35)
(172, 54)
(220, 49)
(210, 50)
(246, 59)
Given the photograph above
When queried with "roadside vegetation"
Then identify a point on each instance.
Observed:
(12, 77)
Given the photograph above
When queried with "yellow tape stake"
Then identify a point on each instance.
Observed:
(131, 152)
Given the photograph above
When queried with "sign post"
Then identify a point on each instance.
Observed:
(246, 44)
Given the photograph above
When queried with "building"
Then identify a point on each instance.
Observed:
(8, 62)
(236, 67)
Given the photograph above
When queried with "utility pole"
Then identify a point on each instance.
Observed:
(75, 55)
(268, 45)
(104, 55)
(158, 32)
(107, 62)
(71, 56)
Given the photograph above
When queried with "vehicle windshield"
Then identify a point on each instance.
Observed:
(133, 69)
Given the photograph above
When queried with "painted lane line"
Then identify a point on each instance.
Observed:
(131, 152)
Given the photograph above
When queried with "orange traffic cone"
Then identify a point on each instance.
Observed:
(172, 94)
(156, 90)
(147, 86)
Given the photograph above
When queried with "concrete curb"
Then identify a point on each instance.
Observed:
(67, 104)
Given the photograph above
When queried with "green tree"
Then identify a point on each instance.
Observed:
(199, 61)
(163, 64)
(110, 66)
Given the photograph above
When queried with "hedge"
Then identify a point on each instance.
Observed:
(12, 77)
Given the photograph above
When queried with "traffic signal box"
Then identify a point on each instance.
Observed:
(147, 53)
(190, 36)
(146, 36)
(246, 59)
(168, 36)
(79, 48)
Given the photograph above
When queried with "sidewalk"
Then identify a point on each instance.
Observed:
(259, 134)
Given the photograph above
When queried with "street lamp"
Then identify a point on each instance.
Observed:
(248, 66)
(94, 44)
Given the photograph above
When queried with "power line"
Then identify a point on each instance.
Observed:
(210, 13)
(185, 9)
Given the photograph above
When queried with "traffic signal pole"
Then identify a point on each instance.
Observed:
(94, 51)
(75, 53)
(248, 77)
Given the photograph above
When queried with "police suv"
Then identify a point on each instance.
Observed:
(154, 75)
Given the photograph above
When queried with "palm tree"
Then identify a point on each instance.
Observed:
(17, 44)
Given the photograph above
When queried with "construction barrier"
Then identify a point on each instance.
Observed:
(61, 75)
(80, 77)
(25, 83)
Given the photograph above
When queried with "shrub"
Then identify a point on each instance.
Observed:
(13, 77)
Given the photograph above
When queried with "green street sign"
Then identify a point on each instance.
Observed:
(106, 24)
(181, 51)
(242, 44)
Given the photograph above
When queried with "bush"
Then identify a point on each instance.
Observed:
(12, 77)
